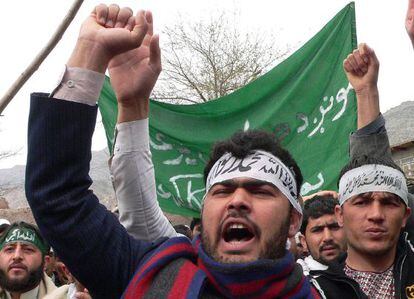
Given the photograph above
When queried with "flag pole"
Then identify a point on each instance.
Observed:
(28, 72)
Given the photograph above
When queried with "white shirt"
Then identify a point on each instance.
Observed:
(28, 295)
(132, 171)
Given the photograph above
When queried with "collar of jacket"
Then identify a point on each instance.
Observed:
(335, 269)
(404, 249)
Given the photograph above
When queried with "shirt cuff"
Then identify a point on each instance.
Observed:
(132, 136)
(374, 127)
(79, 85)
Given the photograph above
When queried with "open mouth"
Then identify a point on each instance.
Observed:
(237, 232)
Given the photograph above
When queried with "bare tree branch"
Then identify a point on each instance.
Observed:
(5, 100)
(174, 99)
(7, 154)
(207, 60)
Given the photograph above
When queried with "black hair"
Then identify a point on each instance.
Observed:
(184, 230)
(410, 186)
(316, 207)
(194, 222)
(242, 143)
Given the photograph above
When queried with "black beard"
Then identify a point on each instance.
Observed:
(274, 248)
(23, 285)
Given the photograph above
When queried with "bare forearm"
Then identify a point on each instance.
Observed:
(133, 110)
(368, 106)
(90, 56)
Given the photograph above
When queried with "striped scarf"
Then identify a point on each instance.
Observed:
(177, 269)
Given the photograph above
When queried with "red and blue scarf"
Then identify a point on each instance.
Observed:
(197, 273)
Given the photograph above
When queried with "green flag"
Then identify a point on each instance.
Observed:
(306, 101)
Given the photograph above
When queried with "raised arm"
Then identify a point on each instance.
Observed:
(134, 183)
(361, 68)
(88, 238)
(409, 26)
(131, 164)
(371, 139)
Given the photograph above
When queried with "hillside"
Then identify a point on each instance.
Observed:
(400, 123)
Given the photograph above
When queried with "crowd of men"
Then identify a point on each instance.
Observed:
(354, 243)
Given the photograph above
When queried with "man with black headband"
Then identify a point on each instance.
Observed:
(21, 263)
(251, 204)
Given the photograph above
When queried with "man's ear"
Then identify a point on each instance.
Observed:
(339, 215)
(302, 240)
(295, 222)
(407, 215)
(46, 262)
(64, 273)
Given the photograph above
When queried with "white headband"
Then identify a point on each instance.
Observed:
(258, 165)
(371, 178)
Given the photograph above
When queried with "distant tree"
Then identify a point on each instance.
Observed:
(6, 154)
(207, 60)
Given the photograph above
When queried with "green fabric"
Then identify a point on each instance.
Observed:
(306, 101)
(25, 235)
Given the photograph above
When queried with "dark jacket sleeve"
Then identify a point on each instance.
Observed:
(84, 234)
(371, 140)
(409, 228)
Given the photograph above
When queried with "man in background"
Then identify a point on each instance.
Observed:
(324, 237)
(22, 258)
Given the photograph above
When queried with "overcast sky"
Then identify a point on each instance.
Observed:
(27, 26)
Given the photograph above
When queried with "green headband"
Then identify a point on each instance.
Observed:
(26, 235)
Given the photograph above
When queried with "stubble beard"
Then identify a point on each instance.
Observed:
(325, 261)
(273, 249)
(379, 253)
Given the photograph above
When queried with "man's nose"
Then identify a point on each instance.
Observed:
(327, 235)
(240, 200)
(376, 212)
(17, 254)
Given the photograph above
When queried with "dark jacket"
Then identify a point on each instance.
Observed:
(404, 268)
(335, 284)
